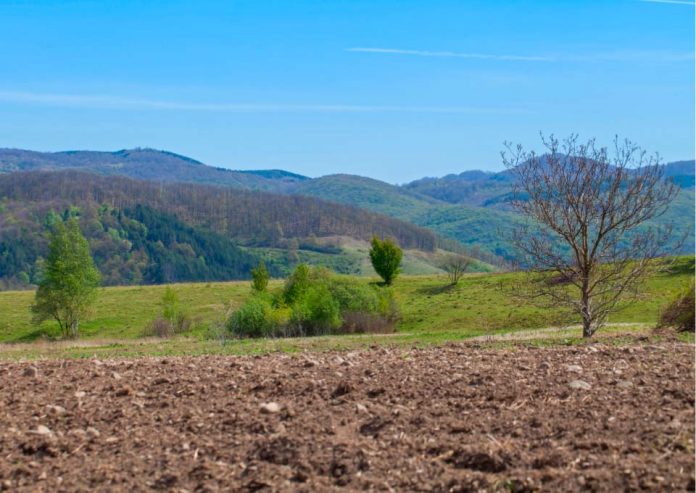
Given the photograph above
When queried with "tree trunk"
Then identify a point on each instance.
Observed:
(73, 329)
(587, 325)
(587, 329)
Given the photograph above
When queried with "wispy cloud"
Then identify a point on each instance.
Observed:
(674, 2)
(121, 103)
(614, 56)
(453, 54)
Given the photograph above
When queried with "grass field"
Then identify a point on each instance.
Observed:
(480, 305)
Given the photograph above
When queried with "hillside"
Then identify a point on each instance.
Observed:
(367, 193)
(470, 208)
(142, 232)
(145, 164)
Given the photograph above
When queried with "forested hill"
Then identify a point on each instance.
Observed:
(471, 208)
(146, 164)
(251, 217)
(143, 232)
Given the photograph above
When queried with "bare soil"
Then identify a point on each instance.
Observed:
(453, 418)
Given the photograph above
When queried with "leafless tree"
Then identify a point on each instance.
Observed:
(455, 266)
(588, 245)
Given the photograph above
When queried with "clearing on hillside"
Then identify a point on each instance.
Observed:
(454, 418)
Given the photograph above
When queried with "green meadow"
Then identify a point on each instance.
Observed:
(482, 304)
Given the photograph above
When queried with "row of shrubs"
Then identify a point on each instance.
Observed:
(315, 301)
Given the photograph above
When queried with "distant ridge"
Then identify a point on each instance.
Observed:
(145, 164)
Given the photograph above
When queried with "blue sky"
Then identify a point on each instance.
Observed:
(395, 90)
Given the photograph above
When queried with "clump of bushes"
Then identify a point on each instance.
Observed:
(315, 301)
(173, 319)
(680, 313)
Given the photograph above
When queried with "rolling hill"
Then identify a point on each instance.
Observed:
(470, 208)
(146, 164)
(145, 232)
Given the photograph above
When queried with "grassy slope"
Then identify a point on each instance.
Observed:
(480, 305)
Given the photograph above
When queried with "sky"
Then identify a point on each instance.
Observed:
(391, 89)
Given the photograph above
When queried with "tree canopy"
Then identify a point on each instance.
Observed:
(69, 283)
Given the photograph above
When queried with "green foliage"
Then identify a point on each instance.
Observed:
(70, 281)
(260, 277)
(385, 256)
(316, 312)
(315, 301)
(680, 313)
(297, 284)
(138, 245)
(254, 319)
(480, 305)
(170, 305)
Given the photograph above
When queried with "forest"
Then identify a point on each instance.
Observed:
(149, 233)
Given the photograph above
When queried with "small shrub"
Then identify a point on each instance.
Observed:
(173, 320)
(160, 327)
(679, 314)
(366, 323)
(297, 284)
(183, 323)
(253, 319)
(260, 277)
(316, 313)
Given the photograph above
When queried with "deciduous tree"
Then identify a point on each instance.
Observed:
(385, 256)
(455, 266)
(588, 244)
(69, 284)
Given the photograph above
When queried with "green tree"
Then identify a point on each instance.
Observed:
(69, 284)
(297, 284)
(260, 277)
(386, 259)
(170, 305)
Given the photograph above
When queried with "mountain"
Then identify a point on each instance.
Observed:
(146, 164)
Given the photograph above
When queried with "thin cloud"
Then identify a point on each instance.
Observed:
(453, 54)
(674, 2)
(120, 103)
(616, 56)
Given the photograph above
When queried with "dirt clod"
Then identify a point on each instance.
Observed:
(450, 418)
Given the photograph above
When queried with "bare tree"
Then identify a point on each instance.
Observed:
(588, 244)
(455, 266)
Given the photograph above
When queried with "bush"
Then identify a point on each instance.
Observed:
(314, 302)
(316, 313)
(297, 284)
(253, 319)
(680, 313)
(173, 319)
(160, 327)
(260, 277)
